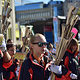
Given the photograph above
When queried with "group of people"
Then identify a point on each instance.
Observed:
(38, 64)
(8, 64)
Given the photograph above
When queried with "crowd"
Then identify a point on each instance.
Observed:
(8, 64)
(39, 63)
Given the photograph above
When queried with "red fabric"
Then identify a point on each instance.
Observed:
(68, 75)
(8, 64)
(62, 78)
(31, 73)
(66, 62)
(69, 51)
(11, 75)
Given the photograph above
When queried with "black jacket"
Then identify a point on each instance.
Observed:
(31, 70)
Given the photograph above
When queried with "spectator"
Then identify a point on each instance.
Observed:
(4, 55)
(11, 47)
(9, 71)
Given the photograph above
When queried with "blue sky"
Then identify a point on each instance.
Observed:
(45, 1)
(32, 1)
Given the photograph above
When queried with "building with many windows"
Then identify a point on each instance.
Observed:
(40, 15)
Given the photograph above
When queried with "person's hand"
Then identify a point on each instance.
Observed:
(3, 45)
(73, 76)
(56, 69)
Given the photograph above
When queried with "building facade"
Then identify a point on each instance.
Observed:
(40, 15)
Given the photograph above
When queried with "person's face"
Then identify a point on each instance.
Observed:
(12, 51)
(74, 48)
(39, 46)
